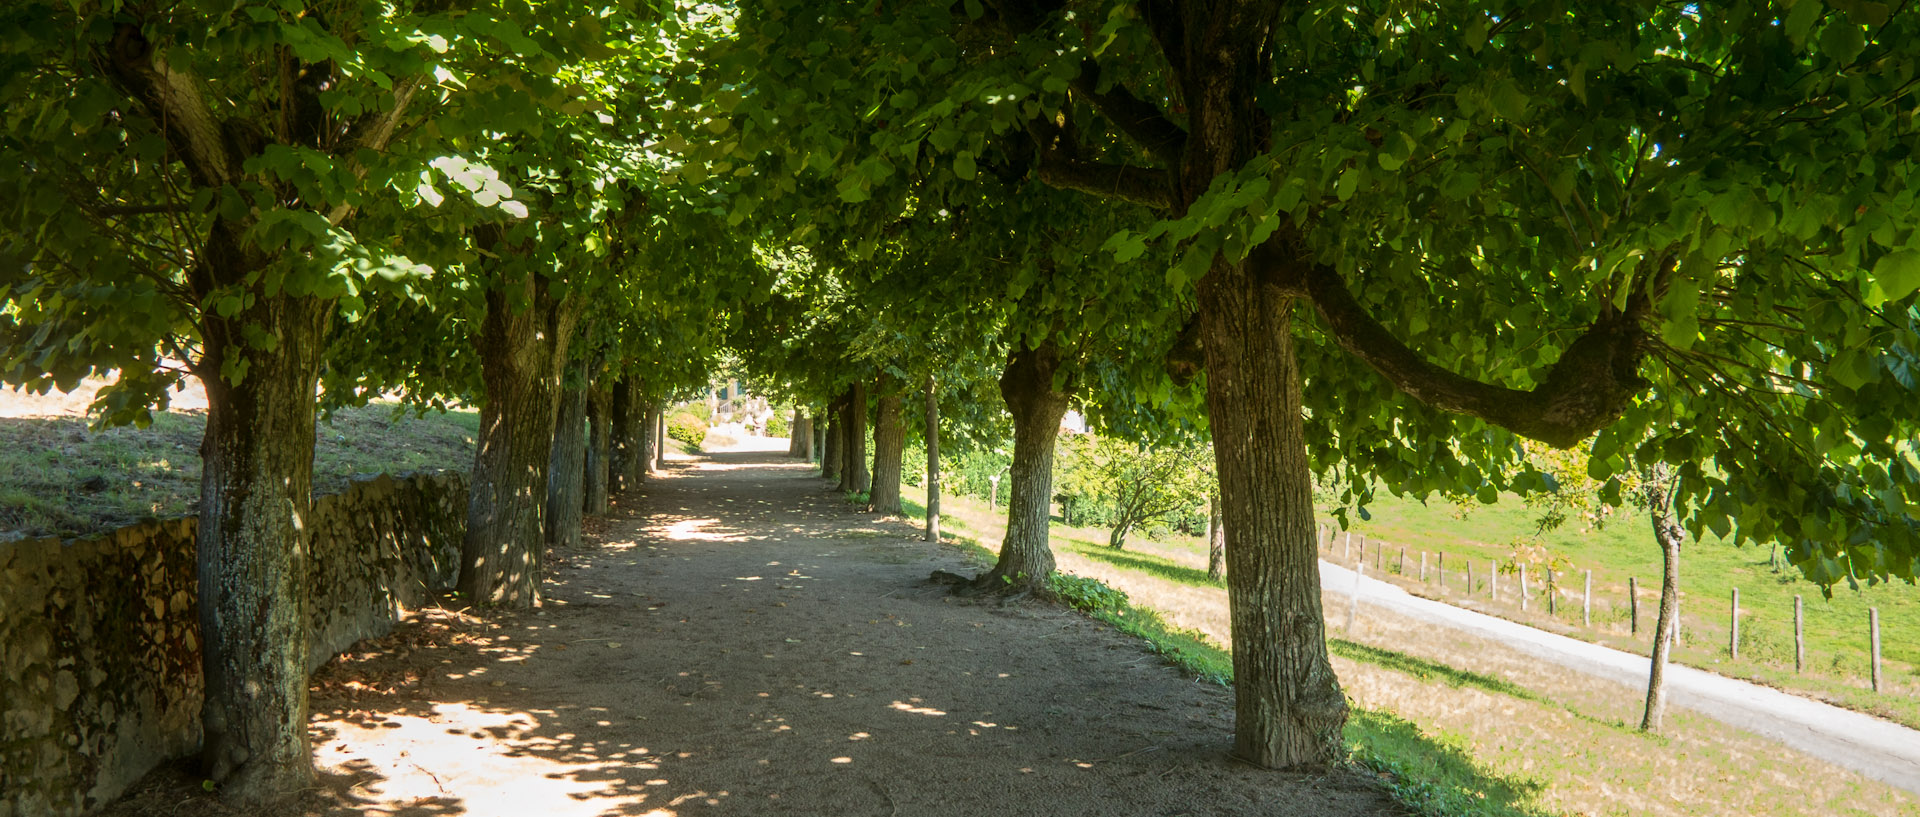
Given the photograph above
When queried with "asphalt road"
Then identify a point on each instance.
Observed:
(1879, 749)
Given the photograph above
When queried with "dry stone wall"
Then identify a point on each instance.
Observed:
(100, 676)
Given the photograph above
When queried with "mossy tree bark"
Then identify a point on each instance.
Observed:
(1026, 555)
(599, 450)
(629, 461)
(567, 468)
(833, 451)
(933, 462)
(256, 486)
(889, 447)
(1289, 709)
(521, 353)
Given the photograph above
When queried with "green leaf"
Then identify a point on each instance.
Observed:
(963, 166)
(1898, 273)
(1842, 41)
(1348, 183)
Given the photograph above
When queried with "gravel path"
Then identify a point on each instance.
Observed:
(1881, 750)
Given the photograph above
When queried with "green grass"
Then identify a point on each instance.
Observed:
(1435, 776)
(1836, 628)
(155, 471)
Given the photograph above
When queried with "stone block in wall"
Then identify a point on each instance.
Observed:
(100, 676)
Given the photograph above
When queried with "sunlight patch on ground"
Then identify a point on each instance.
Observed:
(691, 529)
(483, 762)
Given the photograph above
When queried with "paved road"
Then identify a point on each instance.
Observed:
(1876, 748)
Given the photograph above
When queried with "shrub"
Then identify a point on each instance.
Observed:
(781, 423)
(688, 429)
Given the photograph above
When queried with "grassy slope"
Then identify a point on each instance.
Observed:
(155, 471)
(1836, 628)
(1454, 741)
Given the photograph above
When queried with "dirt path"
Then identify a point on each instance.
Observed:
(744, 643)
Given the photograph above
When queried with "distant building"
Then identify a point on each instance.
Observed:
(1073, 423)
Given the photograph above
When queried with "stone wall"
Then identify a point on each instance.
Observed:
(100, 675)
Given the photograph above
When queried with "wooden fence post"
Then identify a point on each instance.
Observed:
(1799, 637)
(1523, 587)
(1873, 631)
(1346, 553)
(1379, 566)
(1586, 603)
(1403, 561)
(1423, 566)
(1733, 633)
(1633, 605)
(1553, 595)
(1443, 569)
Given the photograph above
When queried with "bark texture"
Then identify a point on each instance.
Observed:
(660, 437)
(656, 438)
(567, 466)
(859, 475)
(256, 488)
(1666, 531)
(1289, 710)
(1026, 556)
(933, 462)
(628, 464)
(889, 446)
(797, 434)
(832, 452)
(599, 450)
(1216, 540)
(521, 354)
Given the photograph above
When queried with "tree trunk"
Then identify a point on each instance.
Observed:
(656, 439)
(1216, 539)
(859, 478)
(1289, 709)
(1026, 556)
(796, 433)
(256, 487)
(819, 444)
(660, 434)
(1666, 531)
(836, 434)
(599, 449)
(1117, 538)
(521, 354)
(629, 462)
(889, 446)
(933, 462)
(567, 467)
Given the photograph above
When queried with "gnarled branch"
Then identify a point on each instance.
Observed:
(1140, 185)
(1590, 386)
(1152, 131)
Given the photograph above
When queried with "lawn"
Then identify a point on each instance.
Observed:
(63, 479)
(1454, 724)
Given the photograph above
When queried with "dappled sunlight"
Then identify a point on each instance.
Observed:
(691, 529)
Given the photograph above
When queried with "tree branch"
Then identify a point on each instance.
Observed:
(1161, 139)
(374, 133)
(1590, 386)
(1140, 185)
(176, 100)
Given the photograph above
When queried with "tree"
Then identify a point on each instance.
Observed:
(1375, 205)
(178, 215)
(1125, 485)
